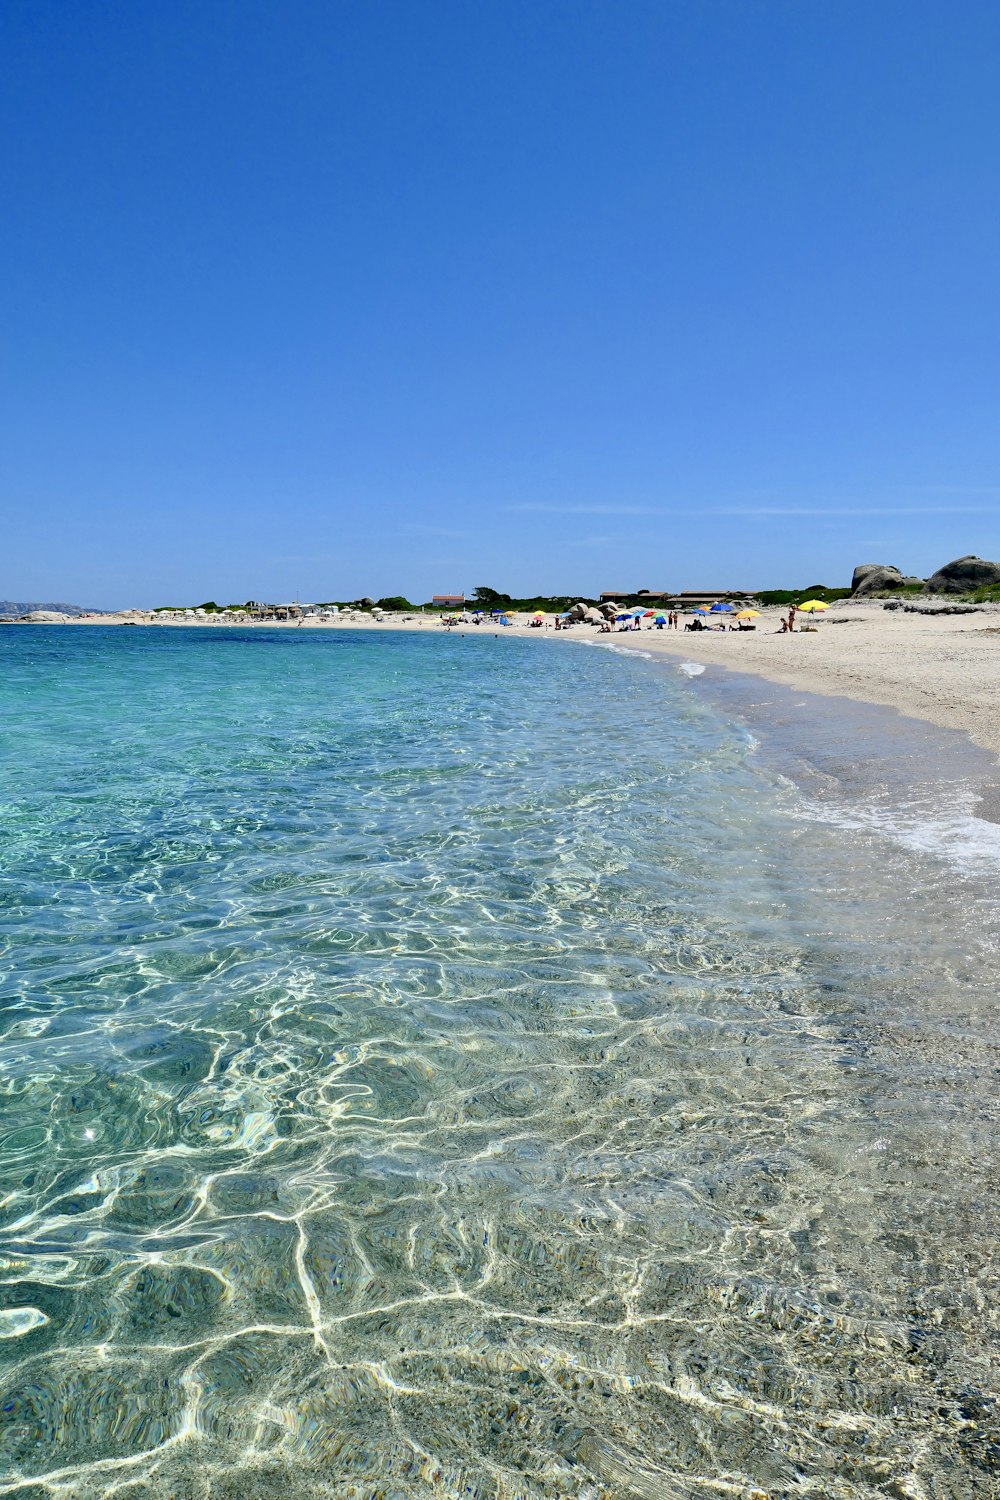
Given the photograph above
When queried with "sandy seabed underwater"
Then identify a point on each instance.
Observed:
(471, 1067)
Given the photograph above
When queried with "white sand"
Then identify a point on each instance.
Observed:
(945, 668)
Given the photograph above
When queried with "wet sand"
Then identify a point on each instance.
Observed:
(945, 668)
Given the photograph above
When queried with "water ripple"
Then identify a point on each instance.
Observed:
(425, 1070)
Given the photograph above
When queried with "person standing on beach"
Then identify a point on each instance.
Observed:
(791, 618)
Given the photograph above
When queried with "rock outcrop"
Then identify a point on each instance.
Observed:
(936, 609)
(12, 609)
(962, 575)
(872, 578)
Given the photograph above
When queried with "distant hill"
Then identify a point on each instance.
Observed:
(12, 608)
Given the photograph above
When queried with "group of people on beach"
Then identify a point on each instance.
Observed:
(636, 623)
(668, 621)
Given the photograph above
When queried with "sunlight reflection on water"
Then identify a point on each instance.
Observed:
(453, 1066)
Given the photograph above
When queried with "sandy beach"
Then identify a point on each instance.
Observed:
(943, 668)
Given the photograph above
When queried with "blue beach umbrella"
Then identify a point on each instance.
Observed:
(661, 620)
(723, 609)
(701, 611)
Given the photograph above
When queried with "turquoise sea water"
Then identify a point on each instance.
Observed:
(467, 1067)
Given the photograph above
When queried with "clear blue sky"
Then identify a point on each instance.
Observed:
(412, 295)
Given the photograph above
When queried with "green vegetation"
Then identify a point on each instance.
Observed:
(988, 594)
(490, 599)
(210, 608)
(795, 596)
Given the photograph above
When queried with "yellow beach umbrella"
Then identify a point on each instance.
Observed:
(811, 605)
(748, 614)
(539, 614)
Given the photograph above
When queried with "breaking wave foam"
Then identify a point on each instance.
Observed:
(950, 832)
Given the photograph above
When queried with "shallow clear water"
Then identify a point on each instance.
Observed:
(468, 1067)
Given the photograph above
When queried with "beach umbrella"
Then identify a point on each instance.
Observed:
(720, 609)
(748, 614)
(622, 617)
(649, 614)
(811, 605)
(661, 619)
(539, 614)
(701, 611)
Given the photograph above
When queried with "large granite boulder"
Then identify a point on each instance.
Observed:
(962, 575)
(873, 578)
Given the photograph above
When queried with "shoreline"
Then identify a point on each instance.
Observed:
(499, 936)
(943, 670)
(940, 671)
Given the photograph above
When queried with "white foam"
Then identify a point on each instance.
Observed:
(690, 668)
(952, 833)
(623, 650)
